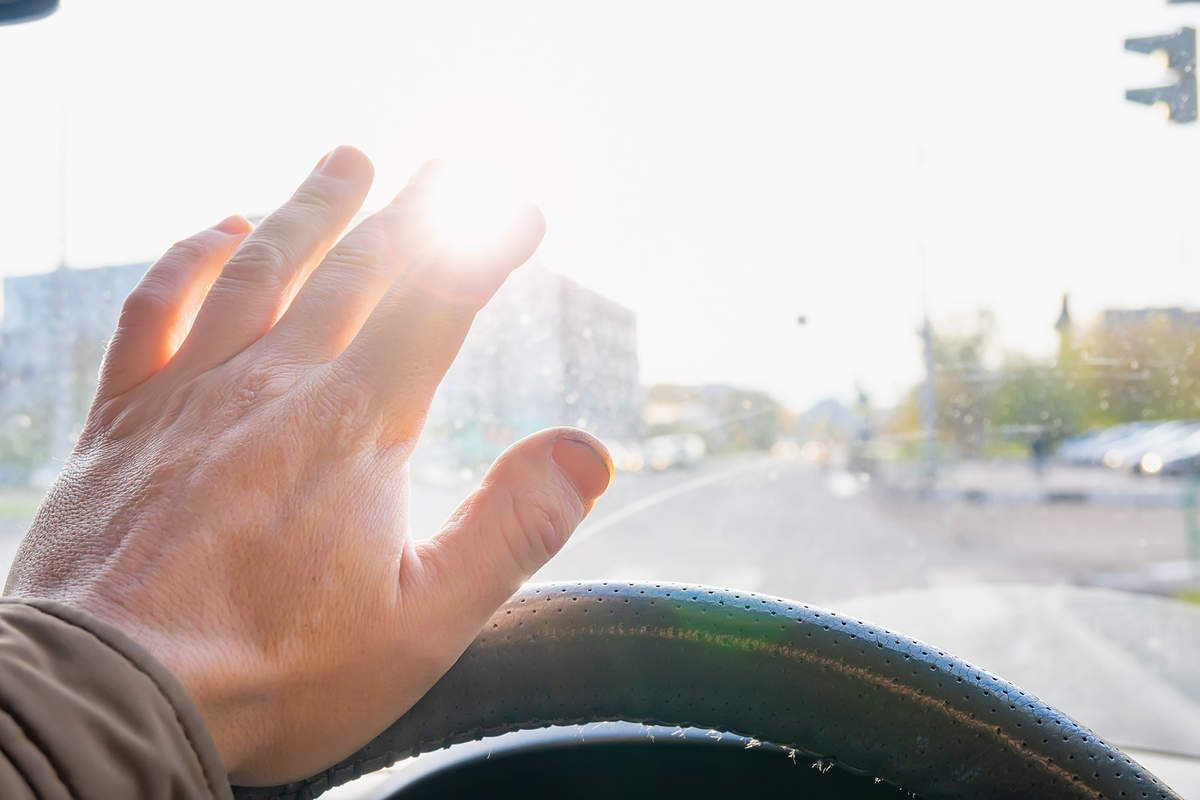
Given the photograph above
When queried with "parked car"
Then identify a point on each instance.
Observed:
(674, 450)
(1176, 457)
(1089, 447)
(627, 456)
(1128, 451)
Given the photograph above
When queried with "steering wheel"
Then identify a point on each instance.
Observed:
(834, 689)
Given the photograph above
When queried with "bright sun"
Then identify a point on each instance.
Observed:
(472, 206)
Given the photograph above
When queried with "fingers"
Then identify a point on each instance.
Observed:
(529, 503)
(262, 276)
(413, 333)
(339, 295)
(401, 240)
(155, 316)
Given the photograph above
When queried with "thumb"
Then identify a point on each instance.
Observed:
(529, 503)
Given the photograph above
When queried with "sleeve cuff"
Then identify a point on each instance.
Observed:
(93, 714)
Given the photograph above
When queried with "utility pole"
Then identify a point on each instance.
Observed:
(929, 456)
(928, 397)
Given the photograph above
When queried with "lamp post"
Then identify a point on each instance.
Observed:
(928, 405)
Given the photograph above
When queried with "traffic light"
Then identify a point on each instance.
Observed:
(1179, 97)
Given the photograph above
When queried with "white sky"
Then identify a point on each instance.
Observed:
(719, 167)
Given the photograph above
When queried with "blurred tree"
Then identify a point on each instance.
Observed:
(1128, 365)
(1141, 366)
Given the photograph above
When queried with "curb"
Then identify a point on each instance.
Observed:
(976, 496)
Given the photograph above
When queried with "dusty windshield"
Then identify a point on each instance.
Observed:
(886, 306)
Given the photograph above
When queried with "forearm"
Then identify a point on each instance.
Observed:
(85, 712)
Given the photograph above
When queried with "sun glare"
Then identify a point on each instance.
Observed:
(473, 206)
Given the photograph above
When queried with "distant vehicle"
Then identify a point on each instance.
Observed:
(1177, 457)
(627, 456)
(673, 450)
(1089, 448)
(1128, 452)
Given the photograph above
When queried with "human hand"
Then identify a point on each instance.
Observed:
(237, 501)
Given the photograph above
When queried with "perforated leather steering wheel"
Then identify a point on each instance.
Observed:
(830, 687)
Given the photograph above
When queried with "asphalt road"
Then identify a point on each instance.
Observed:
(787, 528)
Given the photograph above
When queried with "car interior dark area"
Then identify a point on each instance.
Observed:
(629, 769)
(641, 400)
(13, 12)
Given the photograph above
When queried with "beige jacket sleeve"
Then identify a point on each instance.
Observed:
(86, 713)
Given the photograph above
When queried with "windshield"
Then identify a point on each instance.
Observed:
(877, 305)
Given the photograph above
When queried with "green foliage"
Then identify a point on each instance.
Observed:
(24, 444)
(18, 503)
(1146, 369)
(1189, 596)
(1112, 371)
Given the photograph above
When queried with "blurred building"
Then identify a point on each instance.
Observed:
(727, 417)
(52, 336)
(546, 351)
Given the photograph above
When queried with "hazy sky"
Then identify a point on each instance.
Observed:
(720, 168)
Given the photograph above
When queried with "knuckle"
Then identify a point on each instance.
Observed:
(335, 417)
(364, 250)
(254, 386)
(191, 249)
(260, 261)
(266, 382)
(535, 528)
(337, 407)
(146, 303)
(313, 200)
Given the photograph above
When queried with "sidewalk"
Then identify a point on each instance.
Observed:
(1001, 482)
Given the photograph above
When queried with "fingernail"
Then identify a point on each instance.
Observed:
(234, 225)
(588, 465)
(342, 162)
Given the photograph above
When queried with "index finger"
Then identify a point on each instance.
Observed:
(404, 348)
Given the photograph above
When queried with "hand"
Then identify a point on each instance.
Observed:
(238, 499)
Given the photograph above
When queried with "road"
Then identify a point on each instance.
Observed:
(783, 527)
